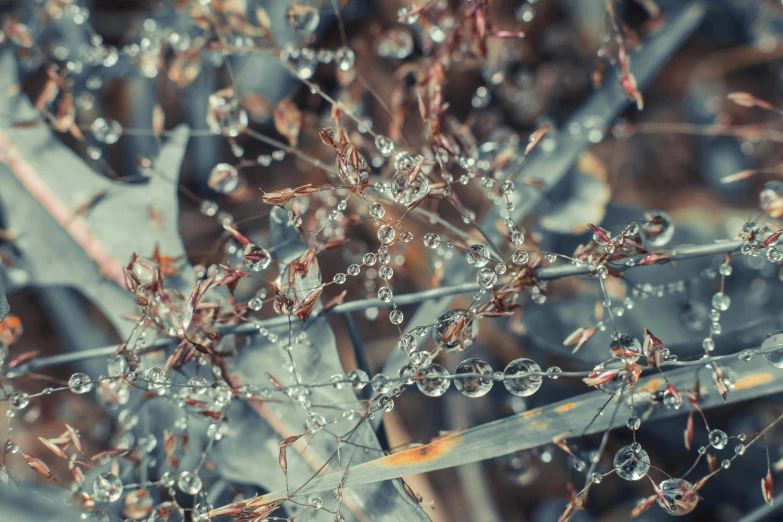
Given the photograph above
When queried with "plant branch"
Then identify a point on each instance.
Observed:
(548, 273)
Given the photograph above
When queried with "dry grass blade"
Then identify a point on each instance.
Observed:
(40, 203)
(543, 425)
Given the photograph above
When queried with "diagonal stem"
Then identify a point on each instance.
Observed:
(548, 273)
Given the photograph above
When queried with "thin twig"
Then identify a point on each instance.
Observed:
(549, 273)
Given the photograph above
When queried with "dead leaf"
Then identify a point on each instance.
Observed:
(288, 121)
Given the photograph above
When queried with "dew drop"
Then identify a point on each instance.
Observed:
(631, 463)
(106, 131)
(477, 255)
(472, 386)
(435, 380)
(80, 383)
(224, 178)
(718, 439)
(658, 229)
(107, 487)
(522, 386)
(189, 483)
(676, 496)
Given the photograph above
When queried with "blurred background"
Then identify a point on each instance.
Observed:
(672, 156)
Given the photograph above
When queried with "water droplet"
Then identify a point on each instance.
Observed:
(155, 377)
(721, 301)
(486, 278)
(224, 178)
(208, 208)
(171, 311)
(658, 229)
(408, 15)
(522, 386)
(225, 114)
(106, 131)
(431, 240)
(520, 258)
(771, 197)
(303, 17)
(107, 487)
(773, 255)
(381, 383)
(718, 439)
(433, 383)
(386, 234)
(384, 145)
(774, 342)
(345, 58)
(80, 383)
(631, 463)
(256, 258)
(396, 43)
(455, 330)
(477, 255)
(385, 294)
(472, 386)
(396, 316)
(386, 404)
(676, 496)
(358, 379)
(189, 483)
(750, 228)
(408, 191)
(198, 385)
(633, 423)
(625, 346)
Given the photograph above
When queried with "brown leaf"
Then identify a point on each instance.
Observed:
(712, 461)
(720, 382)
(169, 442)
(78, 474)
(100, 457)
(598, 378)
(274, 380)
(671, 391)
(288, 121)
(54, 448)
(642, 506)
(579, 336)
(23, 358)
(745, 174)
(653, 349)
(535, 138)
(38, 465)
(304, 310)
(282, 459)
(334, 301)
(746, 99)
(766, 488)
(689, 430)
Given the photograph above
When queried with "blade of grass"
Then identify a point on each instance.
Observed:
(540, 426)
